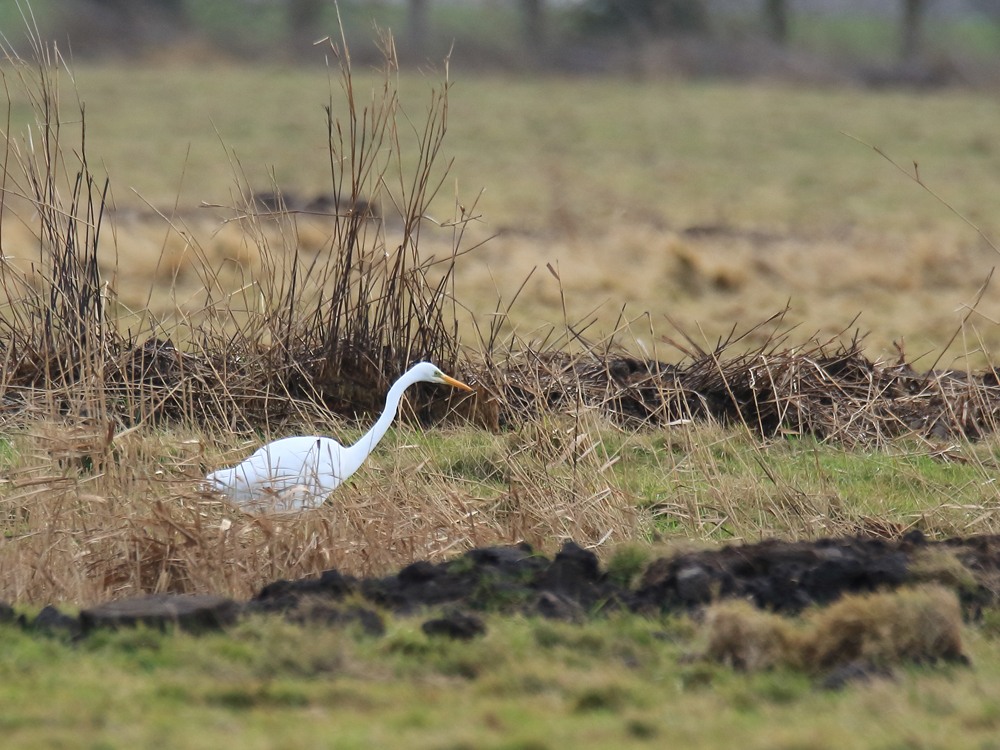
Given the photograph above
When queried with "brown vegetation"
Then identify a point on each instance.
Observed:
(100, 504)
(921, 624)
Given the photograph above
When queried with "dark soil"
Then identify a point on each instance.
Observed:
(784, 577)
(192, 612)
(456, 626)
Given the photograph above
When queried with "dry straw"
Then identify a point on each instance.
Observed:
(921, 624)
(110, 428)
(112, 416)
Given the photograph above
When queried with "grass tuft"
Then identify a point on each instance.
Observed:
(912, 625)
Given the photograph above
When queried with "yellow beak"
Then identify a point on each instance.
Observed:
(455, 383)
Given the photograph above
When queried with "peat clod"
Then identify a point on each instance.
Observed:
(773, 577)
(489, 579)
(53, 622)
(781, 577)
(455, 625)
(486, 579)
(191, 612)
(575, 575)
(283, 595)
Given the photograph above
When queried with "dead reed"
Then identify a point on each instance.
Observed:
(826, 389)
(306, 335)
(112, 417)
(110, 427)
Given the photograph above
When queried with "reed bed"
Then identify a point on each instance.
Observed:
(112, 417)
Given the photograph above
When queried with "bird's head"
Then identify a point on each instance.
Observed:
(431, 373)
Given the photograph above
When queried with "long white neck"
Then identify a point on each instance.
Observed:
(353, 457)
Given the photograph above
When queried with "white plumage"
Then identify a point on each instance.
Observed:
(296, 473)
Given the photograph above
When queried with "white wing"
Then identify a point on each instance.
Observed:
(288, 474)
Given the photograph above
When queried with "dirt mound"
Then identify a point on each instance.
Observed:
(490, 579)
(779, 577)
(787, 577)
(783, 577)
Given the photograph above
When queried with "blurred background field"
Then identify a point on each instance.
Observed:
(692, 161)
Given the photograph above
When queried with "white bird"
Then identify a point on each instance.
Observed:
(299, 472)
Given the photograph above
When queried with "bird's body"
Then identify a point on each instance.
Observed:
(299, 472)
(289, 473)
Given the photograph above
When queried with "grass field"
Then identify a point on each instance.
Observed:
(779, 205)
(527, 684)
(489, 35)
(711, 203)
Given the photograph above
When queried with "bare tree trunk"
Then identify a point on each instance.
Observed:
(533, 23)
(419, 26)
(698, 18)
(911, 29)
(173, 11)
(776, 20)
(304, 17)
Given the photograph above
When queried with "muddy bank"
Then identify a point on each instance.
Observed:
(782, 577)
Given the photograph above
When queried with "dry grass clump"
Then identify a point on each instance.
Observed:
(744, 637)
(920, 624)
(936, 565)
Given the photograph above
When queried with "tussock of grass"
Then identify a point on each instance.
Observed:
(943, 567)
(743, 637)
(920, 624)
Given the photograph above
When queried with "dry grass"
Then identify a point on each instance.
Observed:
(87, 520)
(290, 333)
(291, 318)
(921, 624)
(579, 175)
(103, 499)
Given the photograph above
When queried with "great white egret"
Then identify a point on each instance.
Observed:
(299, 472)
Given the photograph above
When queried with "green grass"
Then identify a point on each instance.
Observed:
(619, 682)
(581, 174)
(723, 484)
(568, 155)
